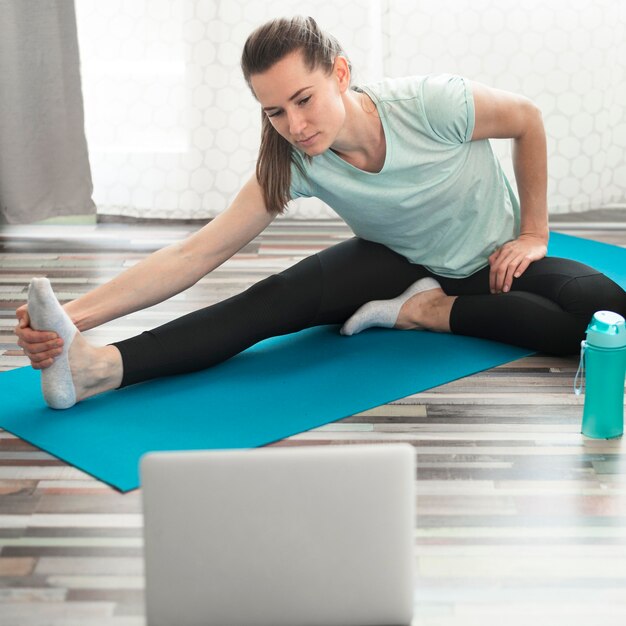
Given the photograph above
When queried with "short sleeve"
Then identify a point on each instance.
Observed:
(300, 187)
(449, 107)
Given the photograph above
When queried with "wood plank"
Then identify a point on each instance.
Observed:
(520, 519)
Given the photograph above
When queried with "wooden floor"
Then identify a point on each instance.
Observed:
(520, 519)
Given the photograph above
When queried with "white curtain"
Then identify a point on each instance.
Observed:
(44, 168)
(173, 131)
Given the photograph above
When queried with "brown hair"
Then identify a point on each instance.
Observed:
(267, 45)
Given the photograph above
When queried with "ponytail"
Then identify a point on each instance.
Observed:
(273, 167)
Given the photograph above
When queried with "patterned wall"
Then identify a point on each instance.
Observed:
(569, 57)
(173, 130)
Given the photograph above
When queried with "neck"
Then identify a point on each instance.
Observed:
(361, 141)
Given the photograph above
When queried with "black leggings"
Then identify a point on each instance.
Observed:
(547, 309)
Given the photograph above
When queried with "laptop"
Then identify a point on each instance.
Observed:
(300, 536)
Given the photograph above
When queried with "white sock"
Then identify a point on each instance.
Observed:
(47, 314)
(385, 312)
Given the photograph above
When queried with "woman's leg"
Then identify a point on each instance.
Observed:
(325, 288)
(547, 310)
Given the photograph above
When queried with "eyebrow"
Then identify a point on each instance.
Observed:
(295, 95)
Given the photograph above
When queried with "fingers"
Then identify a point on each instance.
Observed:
(523, 266)
(41, 347)
(42, 355)
(44, 359)
(512, 259)
(22, 315)
(41, 365)
(505, 270)
(30, 335)
(498, 269)
(493, 262)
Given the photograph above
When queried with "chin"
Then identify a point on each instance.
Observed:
(315, 151)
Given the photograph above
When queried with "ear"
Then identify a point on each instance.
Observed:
(342, 73)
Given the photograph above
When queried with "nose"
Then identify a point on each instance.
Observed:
(297, 123)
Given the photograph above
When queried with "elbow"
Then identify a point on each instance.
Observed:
(530, 120)
(533, 112)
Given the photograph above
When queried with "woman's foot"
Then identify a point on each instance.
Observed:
(424, 305)
(429, 310)
(94, 369)
(80, 370)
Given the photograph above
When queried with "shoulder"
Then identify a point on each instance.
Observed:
(416, 86)
(441, 103)
(391, 89)
(441, 87)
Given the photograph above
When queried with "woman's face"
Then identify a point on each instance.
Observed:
(305, 107)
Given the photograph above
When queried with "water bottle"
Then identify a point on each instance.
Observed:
(603, 358)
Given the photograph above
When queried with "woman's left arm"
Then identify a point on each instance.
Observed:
(501, 114)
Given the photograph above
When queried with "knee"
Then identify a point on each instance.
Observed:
(272, 290)
(584, 295)
(291, 295)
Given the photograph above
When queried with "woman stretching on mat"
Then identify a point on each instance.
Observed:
(442, 243)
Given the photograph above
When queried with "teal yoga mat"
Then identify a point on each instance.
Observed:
(277, 388)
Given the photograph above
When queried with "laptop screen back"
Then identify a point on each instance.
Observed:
(280, 536)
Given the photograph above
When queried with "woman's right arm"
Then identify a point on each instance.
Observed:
(164, 273)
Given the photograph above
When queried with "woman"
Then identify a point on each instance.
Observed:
(442, 241)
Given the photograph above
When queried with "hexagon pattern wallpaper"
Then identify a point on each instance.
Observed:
(173, 130)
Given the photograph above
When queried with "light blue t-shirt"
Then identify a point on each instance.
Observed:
(440, 200)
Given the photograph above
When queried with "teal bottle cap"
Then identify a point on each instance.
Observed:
(607, 330)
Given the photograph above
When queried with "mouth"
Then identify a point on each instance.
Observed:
(308, 141)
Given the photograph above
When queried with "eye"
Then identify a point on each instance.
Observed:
(300, 103)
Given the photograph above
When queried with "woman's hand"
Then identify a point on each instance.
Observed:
(511, 260)
(39, 346)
